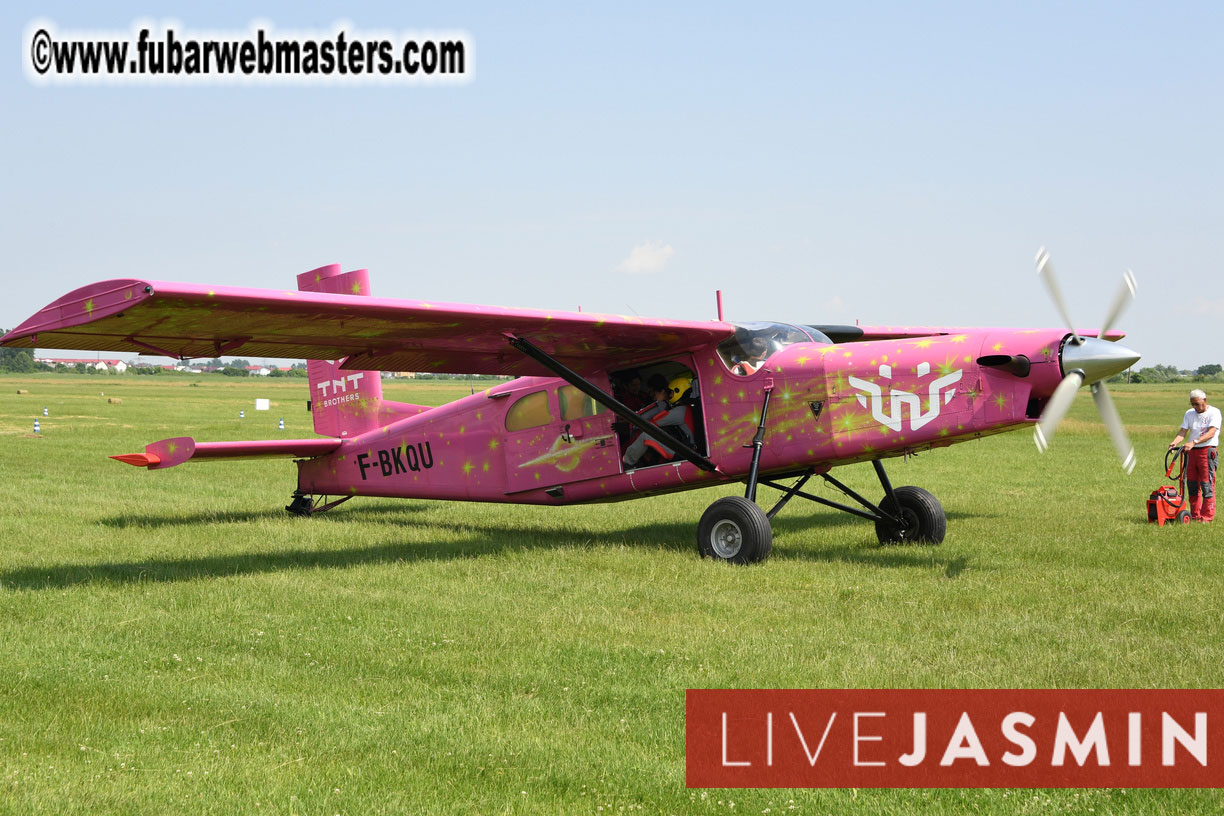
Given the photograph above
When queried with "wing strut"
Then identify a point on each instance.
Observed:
(611, 403)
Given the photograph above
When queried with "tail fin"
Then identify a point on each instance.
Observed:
(346, 403)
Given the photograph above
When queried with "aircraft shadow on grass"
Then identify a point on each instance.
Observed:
(480, 540)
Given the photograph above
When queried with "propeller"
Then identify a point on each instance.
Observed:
(1087, 359)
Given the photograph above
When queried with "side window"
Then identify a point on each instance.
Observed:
(529, 412)
(575, 404)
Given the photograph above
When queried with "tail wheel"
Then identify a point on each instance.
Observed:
(302, 505)
(734, 529)
(922, 518)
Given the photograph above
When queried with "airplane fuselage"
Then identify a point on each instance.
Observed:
(830, 405)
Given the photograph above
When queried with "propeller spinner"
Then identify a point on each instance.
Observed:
(1088, 360)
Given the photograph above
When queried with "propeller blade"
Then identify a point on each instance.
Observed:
(1045, 270)
(1125, 295)
(1113, 422)
(1056, 409)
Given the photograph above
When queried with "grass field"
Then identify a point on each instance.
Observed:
(174, 642)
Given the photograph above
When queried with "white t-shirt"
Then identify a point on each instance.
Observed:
(1196, 424)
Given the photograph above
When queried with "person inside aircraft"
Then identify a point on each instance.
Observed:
(657, 388)
(627, 387)
(746, 351)
(672, 411)
(755, 353)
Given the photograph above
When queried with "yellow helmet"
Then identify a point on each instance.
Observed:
(677, 387)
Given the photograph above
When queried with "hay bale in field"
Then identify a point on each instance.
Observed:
(114, 400)
(23, 391)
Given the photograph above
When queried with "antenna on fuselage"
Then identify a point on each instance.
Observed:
(718, 296)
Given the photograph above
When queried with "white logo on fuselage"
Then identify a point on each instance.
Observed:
(937, 395)
(340, 386)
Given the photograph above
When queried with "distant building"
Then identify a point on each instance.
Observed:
(101, 365)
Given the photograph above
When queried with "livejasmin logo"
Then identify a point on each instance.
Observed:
(939, 393)
(954, 738)
(964, 744)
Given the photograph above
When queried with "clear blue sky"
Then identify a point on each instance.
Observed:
(894, 163)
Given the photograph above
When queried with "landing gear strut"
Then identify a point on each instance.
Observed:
(904, 515)
(303, 504)
(736, 529)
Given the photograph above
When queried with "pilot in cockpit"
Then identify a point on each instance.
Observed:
(756, 352)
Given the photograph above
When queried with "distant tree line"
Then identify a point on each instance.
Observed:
(1212, 372)
(21, 361)
(18, 361)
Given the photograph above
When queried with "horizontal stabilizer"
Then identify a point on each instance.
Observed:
(176, 451)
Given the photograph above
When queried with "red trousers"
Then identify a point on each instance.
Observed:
(1200, 482)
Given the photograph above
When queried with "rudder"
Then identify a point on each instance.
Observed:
(346, 403)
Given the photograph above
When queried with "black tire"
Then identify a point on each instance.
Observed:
(924, 519)
(300, 506)
(1183, 517)
(736, 530)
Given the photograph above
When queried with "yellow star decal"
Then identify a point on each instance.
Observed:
(89, 306)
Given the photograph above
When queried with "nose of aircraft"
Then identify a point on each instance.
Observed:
(1097, 358)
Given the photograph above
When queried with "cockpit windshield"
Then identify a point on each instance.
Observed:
(754, 343)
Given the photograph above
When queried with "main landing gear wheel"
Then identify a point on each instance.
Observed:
(734, 529)
(922, 518)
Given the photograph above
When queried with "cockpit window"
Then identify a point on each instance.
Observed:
(818, 336)
(754, 343)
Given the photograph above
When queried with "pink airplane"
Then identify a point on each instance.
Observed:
(760, 403)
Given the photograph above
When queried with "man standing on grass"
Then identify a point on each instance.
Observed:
(1201, 430)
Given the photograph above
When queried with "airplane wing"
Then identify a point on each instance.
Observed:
(906, 332)
(189, 320)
